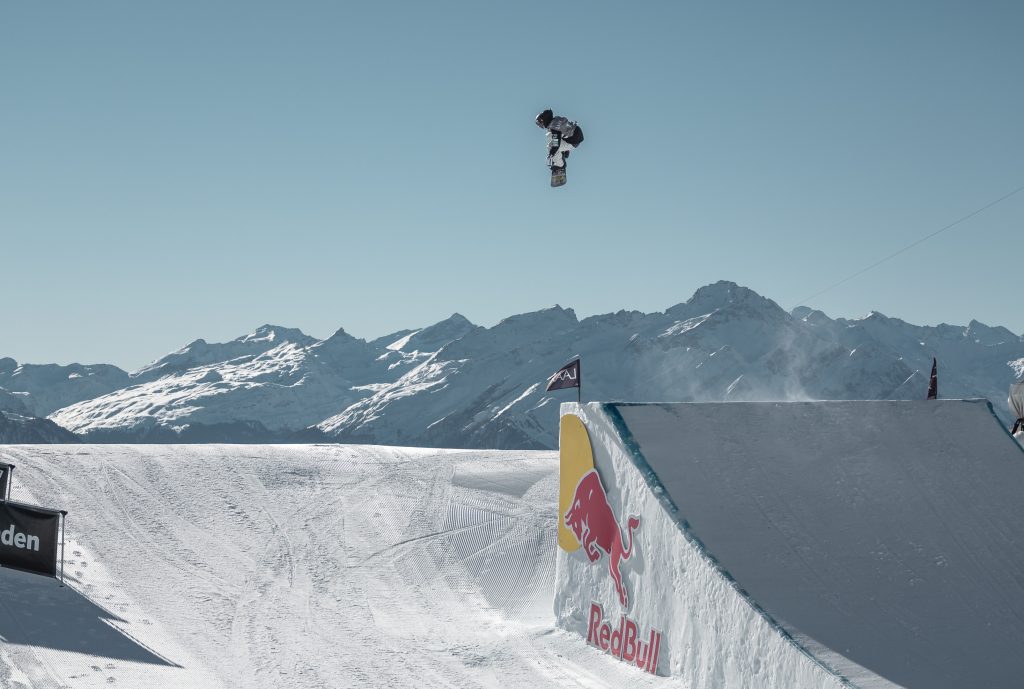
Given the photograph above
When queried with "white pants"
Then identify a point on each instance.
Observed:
(557, 159)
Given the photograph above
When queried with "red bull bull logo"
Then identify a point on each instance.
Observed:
(623, 641)
(591, 520)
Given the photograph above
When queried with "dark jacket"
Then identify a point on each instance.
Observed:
(570, 132)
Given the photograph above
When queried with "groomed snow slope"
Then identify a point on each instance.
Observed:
(886, 539)
(250, 567)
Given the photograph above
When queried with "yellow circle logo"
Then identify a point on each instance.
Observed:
(576, 458)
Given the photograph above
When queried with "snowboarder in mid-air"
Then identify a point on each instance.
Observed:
(564, 136)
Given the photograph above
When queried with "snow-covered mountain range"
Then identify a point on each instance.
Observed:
(454, 384)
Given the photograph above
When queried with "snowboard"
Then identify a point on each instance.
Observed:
(557, 176)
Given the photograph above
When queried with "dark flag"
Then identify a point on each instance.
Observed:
(566, 377)
(5, 480)
(29, 537)
(933, 383)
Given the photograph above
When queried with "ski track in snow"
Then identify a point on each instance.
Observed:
(316, 566)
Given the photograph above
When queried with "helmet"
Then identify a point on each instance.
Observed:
(544, 119)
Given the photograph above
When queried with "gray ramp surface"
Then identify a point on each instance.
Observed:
(886, 536)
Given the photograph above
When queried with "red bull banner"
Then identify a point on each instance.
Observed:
(589, 522)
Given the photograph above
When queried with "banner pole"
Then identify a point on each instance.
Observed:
(10, 481)
(63, 518)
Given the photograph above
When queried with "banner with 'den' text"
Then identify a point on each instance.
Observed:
(29, 537)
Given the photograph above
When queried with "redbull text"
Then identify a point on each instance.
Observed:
(622, 641)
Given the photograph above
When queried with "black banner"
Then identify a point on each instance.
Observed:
(29, 537)
(566, 377)
(5, 480)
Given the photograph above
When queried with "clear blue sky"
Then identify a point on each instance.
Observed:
(192, 169)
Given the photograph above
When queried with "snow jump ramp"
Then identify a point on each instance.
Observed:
(795, 545)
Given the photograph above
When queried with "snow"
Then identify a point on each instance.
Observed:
(1015, 400)
(824, 545)
(402, 342)
(526, 393)
(807, 544)
(246, 567)
(682, 327)
(47, 387)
